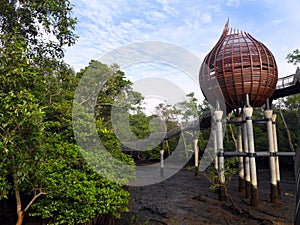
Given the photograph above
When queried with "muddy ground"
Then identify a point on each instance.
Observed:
(188, 200)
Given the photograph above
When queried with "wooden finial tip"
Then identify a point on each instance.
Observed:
(227, 23)
(226, 27)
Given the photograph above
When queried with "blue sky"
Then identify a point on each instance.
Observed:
(195, 25)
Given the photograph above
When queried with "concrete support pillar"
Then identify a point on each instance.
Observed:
(276, 157)
(162, 163)
(196, 152)
(241, 160)
(219, 134)
(246, 160)
(248, 111)
(273, 182)
(214, 134)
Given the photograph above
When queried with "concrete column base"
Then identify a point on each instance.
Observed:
(196, 172)
(222, 193)
(274, 197)
(279, 189)
(254, 196)
(241, 185)
(247, 189)
(161, 172)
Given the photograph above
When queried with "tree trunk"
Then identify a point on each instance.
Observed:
(233, 137)
(20, 218)
(287, 129)
(20, 213)
(232, 132)
(18, 200)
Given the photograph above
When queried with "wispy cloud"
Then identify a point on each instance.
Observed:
(196, 25)
(155, 16)
(168, 7)
(234, 3)
(277, 21)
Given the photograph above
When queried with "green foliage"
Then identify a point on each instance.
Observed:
(140, 127)
(139, 124)
(291, 103)
(230, 169)
(135, 220)
(294, 57)
(289, 108)
(188, 110)
(203, 139)
(38, 152)
(173, 116)
(37, 145)
(75, 192)
(21, 117)
(23, 49)
(34, 20)
(228, 141)
(107, 87)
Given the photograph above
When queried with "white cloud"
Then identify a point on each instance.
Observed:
(136, 22)
(206, 18)
(233, 3)
(155, 16)
(168, 6)
(144, 72)
(195, 25)
(277, 21)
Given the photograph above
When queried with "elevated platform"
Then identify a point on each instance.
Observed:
(287, 86)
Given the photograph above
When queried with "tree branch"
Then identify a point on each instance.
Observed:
(32, 200)
(232, 132)
(233, 137)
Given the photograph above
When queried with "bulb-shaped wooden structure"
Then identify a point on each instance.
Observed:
(240, 65)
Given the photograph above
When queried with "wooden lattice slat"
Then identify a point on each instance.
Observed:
(241, 65)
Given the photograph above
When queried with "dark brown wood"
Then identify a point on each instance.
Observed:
(241, 65)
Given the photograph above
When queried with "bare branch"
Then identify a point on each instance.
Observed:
(32, 200)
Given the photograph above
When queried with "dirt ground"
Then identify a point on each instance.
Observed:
(187, 200)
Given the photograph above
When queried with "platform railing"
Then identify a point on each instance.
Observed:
(284, 82)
